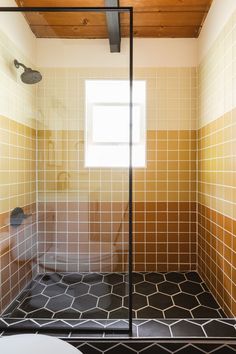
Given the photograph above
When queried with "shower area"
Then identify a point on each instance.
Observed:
(105, 185)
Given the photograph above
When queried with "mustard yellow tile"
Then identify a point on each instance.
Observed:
(173, 165)
(4, 205)
(150, 196)
(172, 144)
(150, 186)
(161, 145)
(162, 135)
(173, 155)
(173, 196)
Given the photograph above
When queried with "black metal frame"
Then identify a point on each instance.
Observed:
(131, 171)
(128, 10)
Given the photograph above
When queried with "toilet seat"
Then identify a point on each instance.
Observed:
(35, 343)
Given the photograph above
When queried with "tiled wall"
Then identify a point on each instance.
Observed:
(17, 244)
(217, 167)
(164, 203)
(83, 213)
(18, 176)
(217, 209)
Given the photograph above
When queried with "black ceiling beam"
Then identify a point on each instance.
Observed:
(113, 26)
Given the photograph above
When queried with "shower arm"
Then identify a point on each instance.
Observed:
(18, 64)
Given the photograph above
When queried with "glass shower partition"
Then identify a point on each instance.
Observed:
(81, 121)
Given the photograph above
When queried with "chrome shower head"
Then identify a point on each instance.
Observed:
(29, 76)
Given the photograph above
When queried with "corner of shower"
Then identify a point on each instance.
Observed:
(71, 242)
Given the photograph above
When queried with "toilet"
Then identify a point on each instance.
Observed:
(35, 343)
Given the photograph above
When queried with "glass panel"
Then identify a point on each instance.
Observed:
(69, 237)
(64, 222)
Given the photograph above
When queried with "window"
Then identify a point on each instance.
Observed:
(107, 123)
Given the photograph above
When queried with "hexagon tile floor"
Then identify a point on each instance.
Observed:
(104, 296)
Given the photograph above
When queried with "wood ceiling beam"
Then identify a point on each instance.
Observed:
(113, 26)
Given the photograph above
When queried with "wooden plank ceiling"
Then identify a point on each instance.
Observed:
(152, 19)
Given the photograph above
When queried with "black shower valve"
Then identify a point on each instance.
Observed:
(17, 216)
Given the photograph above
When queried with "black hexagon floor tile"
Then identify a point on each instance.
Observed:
(177, 312)
(37, 289)
(121, 289)
(33, 303)
(193, 276)
(189, 349)
(154, 349)
(186, 328)
(78, 289)
(100, 289)
(42, 313)
(191, 288)
(175, 277)
(92, 278)
(55, 289)
(136, 278)
(139, 301)
(154, 277)
(168, 288)
(219, 329)
(67, 313)
(110, 302)
(186, 301)
(145, 288)
(72, 278)
(160, 301)
(149, 312)
(206, 299)
(84, 302)
(75, 295)
(120, 313)
(205, 312)
(59, 302)
(95, 313)
(113, 278)
(120, 348)
(154, 329)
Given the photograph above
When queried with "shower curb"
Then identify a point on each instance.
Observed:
(145, 329)
(148, 337)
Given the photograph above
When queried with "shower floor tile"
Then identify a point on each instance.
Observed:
(105, 296)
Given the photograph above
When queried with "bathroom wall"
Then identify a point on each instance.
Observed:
(83, 213)
(17, 163)
(164, 192)
(216, 155)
